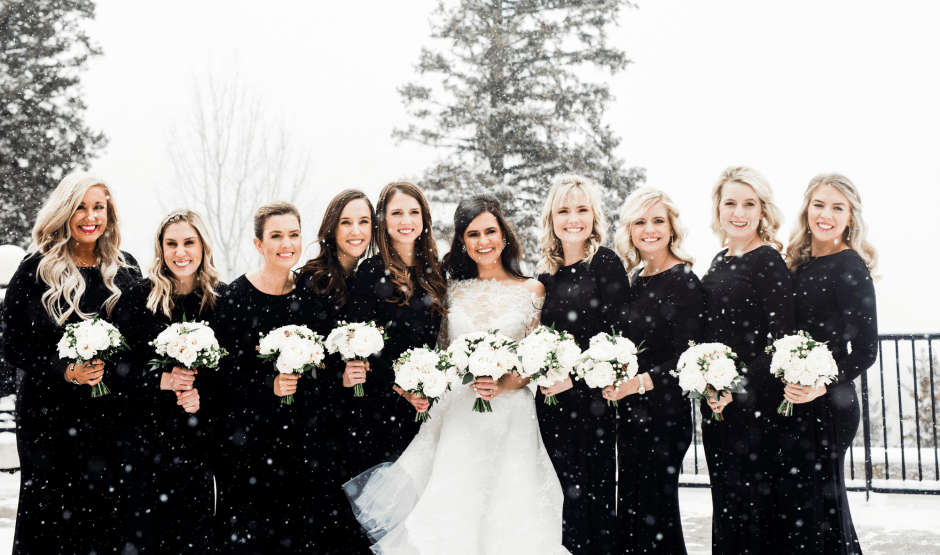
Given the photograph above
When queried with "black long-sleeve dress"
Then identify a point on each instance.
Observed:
(666, 311)
(748, 304)
(257, 456)
(167, 497)
(384, 421)
(324, 416)
(580, 431)
(835, 303)
(67, 440)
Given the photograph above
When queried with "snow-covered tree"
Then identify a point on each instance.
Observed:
(230, 155)
(508, 98)
(43, 51)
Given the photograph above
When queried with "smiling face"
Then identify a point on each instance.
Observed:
(182, 250)
(828, 214)
(91, 217)
(403, 218)
(573, 220)
(354, 232)
(280, 244)
(651, 232)
(483, 240)
(739, 212)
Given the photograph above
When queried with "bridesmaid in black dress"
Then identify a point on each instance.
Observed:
(666, 311)
(67, 440)
(323, 406)
(585, 292)
(832, 264)
(401, 288)
(748, 304)
(257, 457)
(167, 494)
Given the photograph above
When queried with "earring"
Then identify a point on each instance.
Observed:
(463, 248)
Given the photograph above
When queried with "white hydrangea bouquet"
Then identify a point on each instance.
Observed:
(481, 354)
(609, 361)
(422, 371)
(189, 344)
(798, 359)
(548, 357)
(356, 341)
(88, 340)
(708, 370)
(294, 350)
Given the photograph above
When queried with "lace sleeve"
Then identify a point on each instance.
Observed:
(535, 314)
(442, 340)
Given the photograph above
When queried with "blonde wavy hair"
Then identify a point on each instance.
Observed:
(164, 282)
(633, 209)
(799, 249)
(51, 239)
(769, 225)
(563, 187)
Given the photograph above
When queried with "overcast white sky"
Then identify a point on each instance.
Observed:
(793, 89)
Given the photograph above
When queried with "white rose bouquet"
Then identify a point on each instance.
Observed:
(483, 354)
(708, 370)
(798, 359)
(423, 372)
(189, 344)
(548, 357)
(609, 361)
(356, 341)
(294, 350)
(91, 339)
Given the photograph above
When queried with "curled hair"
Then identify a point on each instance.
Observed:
(326, 267)
(633, 209)
(457, 263)
(271, 209)
(563, 188)
(799, 250)
(427, 266)
(165, 284)
(51, 239)
(773, 217)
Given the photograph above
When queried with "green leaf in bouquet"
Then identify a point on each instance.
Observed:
(468, 377)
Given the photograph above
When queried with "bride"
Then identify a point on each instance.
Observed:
(472, 483)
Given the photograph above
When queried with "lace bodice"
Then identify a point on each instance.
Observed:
(480, 305)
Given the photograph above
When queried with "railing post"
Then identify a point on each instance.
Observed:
(866, 433)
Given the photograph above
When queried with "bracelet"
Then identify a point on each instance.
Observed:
(641, 389)
(68, 369)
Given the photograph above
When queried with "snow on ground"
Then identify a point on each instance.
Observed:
(887, 524)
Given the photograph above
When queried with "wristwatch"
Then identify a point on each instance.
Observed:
(641, 389)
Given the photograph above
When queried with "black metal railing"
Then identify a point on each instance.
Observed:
(897, 443)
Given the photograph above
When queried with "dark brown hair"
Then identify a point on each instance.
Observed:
(326, 268)
(276, 208)
(426, 262)
(457, 263)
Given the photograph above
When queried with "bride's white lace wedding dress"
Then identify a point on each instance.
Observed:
(470, 483)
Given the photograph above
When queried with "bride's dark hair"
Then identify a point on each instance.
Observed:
(457, 264)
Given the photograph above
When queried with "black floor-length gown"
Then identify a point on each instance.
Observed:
(67, 441)
(835, 303)
(256, 455)
(168, 498)
(323, 418)
(666, 311)
(383, 420)
(748, 304)
(580, 431)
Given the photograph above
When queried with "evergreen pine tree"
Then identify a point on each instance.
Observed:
(43, 136)
(511, 108)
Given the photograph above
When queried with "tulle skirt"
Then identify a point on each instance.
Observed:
(468, 484)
